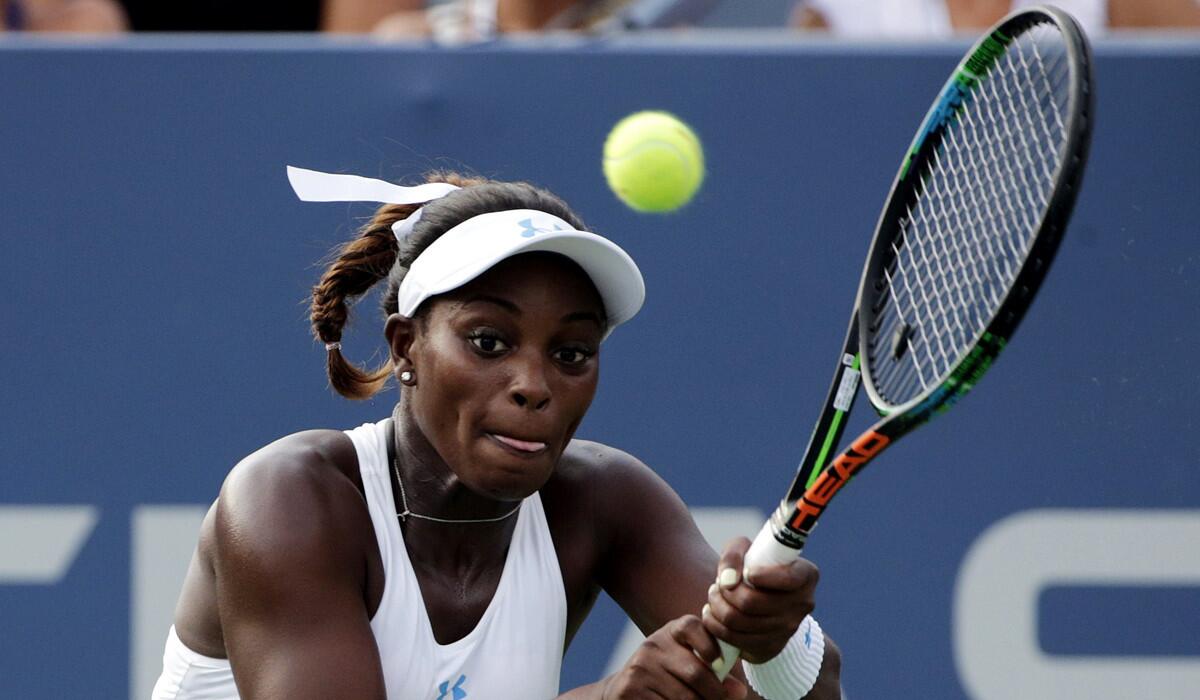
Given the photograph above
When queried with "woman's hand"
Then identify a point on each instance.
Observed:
(758, 610)
(674, 662)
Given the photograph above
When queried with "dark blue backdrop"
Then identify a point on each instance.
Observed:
(153, 265)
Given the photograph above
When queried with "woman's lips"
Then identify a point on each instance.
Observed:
(525, 446)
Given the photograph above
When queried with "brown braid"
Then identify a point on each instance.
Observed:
(359, 264)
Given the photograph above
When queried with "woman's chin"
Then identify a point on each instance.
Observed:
(512, 479)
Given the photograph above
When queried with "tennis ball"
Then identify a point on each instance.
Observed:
(653, 162)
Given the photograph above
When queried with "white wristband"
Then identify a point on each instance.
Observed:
(793, 672)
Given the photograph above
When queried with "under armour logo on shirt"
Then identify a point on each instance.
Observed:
(528, 230)
(456, 691)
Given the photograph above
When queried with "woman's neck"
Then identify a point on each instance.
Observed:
(431, 488)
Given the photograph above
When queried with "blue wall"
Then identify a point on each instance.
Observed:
(153, 262)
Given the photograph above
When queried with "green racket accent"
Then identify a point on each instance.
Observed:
(978, 361)
(984, 58)
(957, 91)
(831, 435)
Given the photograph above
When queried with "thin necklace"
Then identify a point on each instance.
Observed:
(407, 513)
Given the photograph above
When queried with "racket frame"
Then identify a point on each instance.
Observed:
(784, 535)
(814, 486)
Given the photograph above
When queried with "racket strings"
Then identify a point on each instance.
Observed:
(973, 219)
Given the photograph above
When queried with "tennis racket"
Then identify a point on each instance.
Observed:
(969, 230)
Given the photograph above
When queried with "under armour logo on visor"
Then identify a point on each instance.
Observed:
(528, 230)
(456, 691)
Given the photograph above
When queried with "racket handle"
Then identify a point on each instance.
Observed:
(763, 551)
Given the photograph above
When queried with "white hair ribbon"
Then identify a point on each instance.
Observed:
(471, 247)
(315, 186)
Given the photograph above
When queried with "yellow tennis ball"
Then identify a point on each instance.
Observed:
(653, 162)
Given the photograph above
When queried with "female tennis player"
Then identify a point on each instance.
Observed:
(452, 550)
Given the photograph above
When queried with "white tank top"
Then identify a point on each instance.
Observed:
(515, 651)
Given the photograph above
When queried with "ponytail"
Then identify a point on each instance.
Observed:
(358, 265)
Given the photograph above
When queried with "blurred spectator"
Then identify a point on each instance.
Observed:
(1139, 14)
(362, 16)
(78, 16)
(446, 20)
(940, 18)
(456, 21)
(535, 15)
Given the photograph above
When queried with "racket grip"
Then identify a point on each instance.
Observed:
(763, 551)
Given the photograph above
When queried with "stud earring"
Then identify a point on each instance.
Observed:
(408, 378)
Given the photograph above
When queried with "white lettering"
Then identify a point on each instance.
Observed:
(38, 544)
(164, 538)
(1003, 574)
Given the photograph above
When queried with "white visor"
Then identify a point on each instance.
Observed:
(476, 245)
(473, 247)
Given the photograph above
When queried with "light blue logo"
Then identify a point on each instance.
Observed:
(456, 691)
(528, 230)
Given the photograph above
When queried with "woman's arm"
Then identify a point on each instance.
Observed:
(290, 569)
(659, 568)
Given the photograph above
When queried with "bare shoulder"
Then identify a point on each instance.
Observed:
(611, 484)
(291, 504)
(596, 503)
(586, 463)
(642, 543)
(310, 463)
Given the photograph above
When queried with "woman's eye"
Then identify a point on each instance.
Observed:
(488, 343)
(573, 356)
